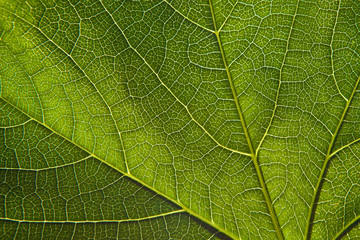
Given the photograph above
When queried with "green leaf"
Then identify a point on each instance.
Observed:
(169, 119)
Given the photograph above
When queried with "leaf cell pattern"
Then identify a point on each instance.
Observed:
(172, 119)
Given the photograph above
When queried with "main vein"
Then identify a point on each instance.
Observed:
(324, 168)
(254, 156)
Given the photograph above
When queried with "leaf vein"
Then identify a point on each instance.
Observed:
(129, 175)
(87, 77)
(326, 164)
(171, 92)
(96, 221)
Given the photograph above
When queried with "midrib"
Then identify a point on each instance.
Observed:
(254, 156)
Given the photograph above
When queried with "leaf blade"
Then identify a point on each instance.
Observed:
(145, 87)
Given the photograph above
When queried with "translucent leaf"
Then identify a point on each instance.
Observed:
(179, 119)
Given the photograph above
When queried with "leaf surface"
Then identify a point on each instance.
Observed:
(179, 119)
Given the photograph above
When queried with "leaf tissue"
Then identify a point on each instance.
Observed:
(179, 119)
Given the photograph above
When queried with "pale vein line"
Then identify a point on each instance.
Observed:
(96, 221)
(220, 28)
(212, 236)
(332, 51)
(46, 168)
(169, 90)
(16, 231)
(17, 125)
(187, 18)
(73, 233)
(280, 78)
(345, 146)
(93, 84)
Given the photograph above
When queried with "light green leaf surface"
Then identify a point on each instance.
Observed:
(172, 119)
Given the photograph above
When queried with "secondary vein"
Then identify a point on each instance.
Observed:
(129, 175)
(171, 92)
(324, 168)
(254, 156)
(97, 221)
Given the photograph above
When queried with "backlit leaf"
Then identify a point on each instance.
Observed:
(169, 119)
